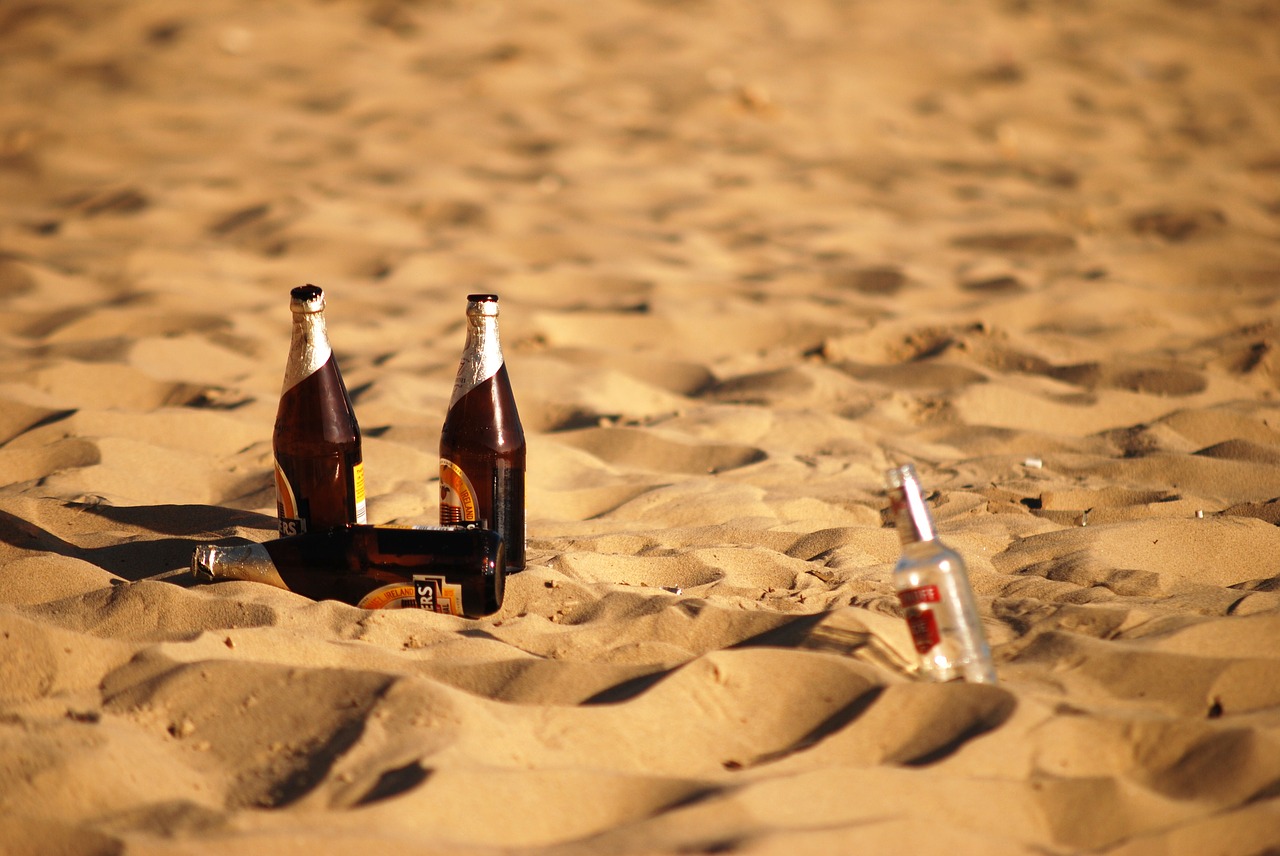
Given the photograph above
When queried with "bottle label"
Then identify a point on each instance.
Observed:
(924, 630)
(291, 520)
(925, 594)
(388, 597)
(427, 591)
(434, 594)
(457, 496)
(922, 621)
(297, 512)
(357, 473)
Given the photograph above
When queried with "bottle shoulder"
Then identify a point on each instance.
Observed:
(318, 409)
(928, 557)
(486, 415)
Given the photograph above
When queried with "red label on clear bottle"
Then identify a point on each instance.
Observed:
(921, 619)
(916, 596)
(924, 630)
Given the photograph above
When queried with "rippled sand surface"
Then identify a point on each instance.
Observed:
(750, 255)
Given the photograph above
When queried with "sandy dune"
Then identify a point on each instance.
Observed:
(750, 256)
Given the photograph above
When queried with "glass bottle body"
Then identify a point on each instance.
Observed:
(482, 444)
(933, 588)
(319, 464)
(456, 571)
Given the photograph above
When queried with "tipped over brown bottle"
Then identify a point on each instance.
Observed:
(319, 464)
(482, 446)
(450, 570)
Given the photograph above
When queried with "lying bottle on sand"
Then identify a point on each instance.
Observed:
(933, 588)
(451, 570)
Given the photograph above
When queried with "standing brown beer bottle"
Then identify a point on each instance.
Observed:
(482, 448)
(318, 459)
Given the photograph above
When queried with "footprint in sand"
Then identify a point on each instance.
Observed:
(884, 281)
(108, 386)
(18, 417)
(111, 201)
(986, 348)
(22, 464)
(259, 227)
(308, 720)
(648, 449)
(1029, 243)
(15, 280)
(1178, 224)
(1152, 380)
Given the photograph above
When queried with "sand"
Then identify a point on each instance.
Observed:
(750, 255)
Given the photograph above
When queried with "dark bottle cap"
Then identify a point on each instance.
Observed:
(307, 298)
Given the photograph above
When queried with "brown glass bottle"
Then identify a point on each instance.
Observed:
(482, 446)
(452, 570)
(318, 459)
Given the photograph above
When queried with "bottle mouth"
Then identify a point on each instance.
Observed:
(482, 304)
(202, 561)
(307, 298)
(900, 476)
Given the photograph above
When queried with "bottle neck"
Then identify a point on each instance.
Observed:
(482, 355)
(482, 333)
(249, 562)
(911, 515)
(309, 348)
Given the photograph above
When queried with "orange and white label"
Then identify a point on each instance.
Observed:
(393, 596)
(427, 591)
(291, 522)
(434, 594)
(457, 496)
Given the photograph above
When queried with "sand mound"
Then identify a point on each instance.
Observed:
(749, 257)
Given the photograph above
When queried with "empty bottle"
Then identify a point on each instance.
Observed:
(318, 459)
(933, 588)
(451, 570)
(482, 447)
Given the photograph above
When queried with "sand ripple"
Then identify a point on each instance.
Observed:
(749, 255)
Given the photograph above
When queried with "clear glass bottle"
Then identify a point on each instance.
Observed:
(482, 446)
(933, 588)
(452, 570)
(316, 441)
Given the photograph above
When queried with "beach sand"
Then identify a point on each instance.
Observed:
(750, 255)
